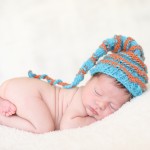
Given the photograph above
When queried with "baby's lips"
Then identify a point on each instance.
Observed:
(93, 110)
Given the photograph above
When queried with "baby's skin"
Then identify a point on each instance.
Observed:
(6, 107)
(33, 105)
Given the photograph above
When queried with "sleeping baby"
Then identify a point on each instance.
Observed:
(33, 105)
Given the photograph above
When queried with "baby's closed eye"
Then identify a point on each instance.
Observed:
(113, 106)
(97, 92)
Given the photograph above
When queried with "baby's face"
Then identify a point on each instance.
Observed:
(101, 97)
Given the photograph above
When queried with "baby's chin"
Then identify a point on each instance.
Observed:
(101, 117)
(98, 117)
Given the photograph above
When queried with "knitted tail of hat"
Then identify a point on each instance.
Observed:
(116, 44)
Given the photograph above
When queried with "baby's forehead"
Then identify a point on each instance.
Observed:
(107, 81)
(106, 77)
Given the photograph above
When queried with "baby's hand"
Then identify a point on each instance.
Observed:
(90, 120)
(7, 108)
(76, 122)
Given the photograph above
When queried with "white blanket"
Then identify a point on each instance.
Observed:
(127, 129)
(56, 37)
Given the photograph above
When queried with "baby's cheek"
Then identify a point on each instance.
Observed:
(85, 99)
(102, 115)
(109, 112)
(99, 117)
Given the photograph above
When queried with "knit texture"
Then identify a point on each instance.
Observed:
(125, 64)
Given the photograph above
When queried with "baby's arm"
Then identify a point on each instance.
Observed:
(76, 122)
(75, 117)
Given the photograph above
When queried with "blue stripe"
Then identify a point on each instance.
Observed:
(128, 58)
(119, 75)
(130, 69)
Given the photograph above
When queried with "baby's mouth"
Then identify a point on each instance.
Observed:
(92, 110)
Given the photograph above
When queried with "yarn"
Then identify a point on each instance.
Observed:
(125, 64)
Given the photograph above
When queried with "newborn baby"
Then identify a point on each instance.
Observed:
(33, 105)
(39, 107)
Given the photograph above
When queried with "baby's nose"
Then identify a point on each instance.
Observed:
(102, 105)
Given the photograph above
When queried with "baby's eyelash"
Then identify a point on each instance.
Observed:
(97, 92)
(112, 107)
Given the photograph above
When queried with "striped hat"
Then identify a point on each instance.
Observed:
(125, 64)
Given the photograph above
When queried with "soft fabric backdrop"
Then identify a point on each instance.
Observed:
(55, 37)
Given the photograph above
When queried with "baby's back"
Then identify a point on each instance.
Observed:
(23, 91)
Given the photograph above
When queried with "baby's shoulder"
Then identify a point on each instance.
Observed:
(75, 104)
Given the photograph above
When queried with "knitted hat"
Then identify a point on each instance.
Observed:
(125, 64)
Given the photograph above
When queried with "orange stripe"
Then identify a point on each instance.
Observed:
(103, 46)
(48, 78)
(37, 76)
(132, 48)
(51, 80)
(140, 72)
(81, 72)
(118, 44)
(129, 39)
(63, 83)
(130, 77)
(93, 59)
(136, 58)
